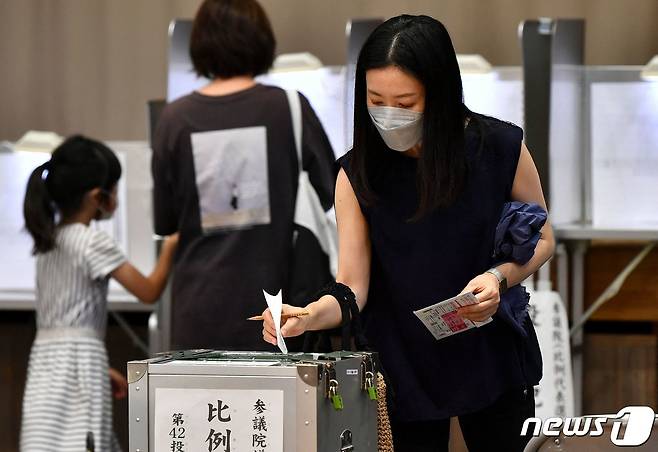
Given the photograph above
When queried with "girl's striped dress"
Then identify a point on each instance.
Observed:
(68, 393)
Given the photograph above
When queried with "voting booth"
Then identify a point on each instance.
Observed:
(253, 401)
(593, 135)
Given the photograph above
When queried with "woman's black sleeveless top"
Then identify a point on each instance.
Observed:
(416, 264)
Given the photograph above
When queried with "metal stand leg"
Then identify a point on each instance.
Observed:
(562, 259)
(164, 319)
(577, 306)
(155, 338)
(160, 322)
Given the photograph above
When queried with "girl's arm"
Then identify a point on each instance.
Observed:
(353, 269)
(119, 384)
(526, 188)
(148, 288)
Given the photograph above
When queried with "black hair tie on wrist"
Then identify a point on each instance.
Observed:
(350, 324)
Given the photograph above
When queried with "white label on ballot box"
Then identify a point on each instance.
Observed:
(218, 420)
(443, 320)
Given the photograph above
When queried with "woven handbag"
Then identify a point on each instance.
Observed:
(384, 433)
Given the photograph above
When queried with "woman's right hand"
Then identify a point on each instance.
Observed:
(293, 326)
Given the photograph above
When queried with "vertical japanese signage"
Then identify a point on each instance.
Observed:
(215, 420)
(554, 395)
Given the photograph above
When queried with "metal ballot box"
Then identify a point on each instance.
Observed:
(205, 400)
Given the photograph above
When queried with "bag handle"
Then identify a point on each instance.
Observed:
(350, 326)
(296, 117)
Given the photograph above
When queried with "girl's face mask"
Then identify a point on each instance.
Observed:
(107, 206)
(103, 214)
(401, 129)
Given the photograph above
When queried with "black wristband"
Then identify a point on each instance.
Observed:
(350, 321)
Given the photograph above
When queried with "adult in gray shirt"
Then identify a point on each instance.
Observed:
(225, 176)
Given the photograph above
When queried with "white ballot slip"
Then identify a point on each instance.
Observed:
(274, 302)
(443, 320)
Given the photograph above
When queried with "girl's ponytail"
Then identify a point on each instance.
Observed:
(57, 188)
(39, 211)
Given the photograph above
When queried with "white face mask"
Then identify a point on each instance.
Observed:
(401, 129)
(104, 214)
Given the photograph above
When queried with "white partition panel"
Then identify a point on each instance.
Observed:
(624, 152)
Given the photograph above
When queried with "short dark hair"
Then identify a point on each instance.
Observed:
(231, 38)
(420, 46)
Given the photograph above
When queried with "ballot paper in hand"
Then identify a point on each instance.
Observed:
(443, 320)
(274, 302)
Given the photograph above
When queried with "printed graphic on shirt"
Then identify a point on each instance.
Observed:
(231, 177)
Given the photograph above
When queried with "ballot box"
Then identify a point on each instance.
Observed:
(208, 400)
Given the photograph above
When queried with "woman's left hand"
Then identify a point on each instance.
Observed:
(119, 384)
(486, 290)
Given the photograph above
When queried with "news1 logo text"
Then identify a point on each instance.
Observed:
(638, 421)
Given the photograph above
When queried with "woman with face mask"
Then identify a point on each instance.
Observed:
(418, 199)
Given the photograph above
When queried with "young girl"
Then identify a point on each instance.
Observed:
(67, 395)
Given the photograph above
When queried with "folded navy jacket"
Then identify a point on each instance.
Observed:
(517, 235)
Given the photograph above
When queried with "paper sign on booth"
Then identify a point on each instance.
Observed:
(218, 420)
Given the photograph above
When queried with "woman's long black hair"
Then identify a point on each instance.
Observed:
(420, 46)
(78, 165)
